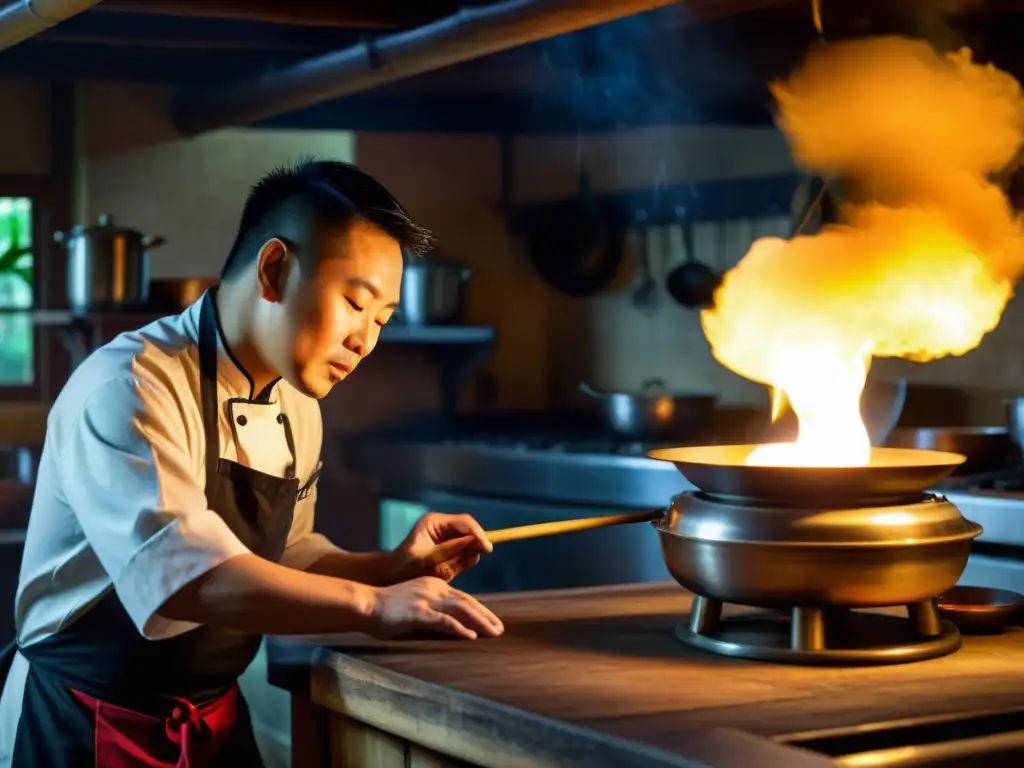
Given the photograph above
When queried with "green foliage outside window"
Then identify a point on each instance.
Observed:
(17, 365)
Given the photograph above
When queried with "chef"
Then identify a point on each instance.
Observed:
(172, 521)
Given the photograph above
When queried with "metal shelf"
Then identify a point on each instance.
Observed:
(437, 334)
(81, 333)
(62, 317)
(395, 333)
(458, 350)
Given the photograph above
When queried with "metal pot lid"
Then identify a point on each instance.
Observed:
(107, 230)
(105, 226)
(927, 521)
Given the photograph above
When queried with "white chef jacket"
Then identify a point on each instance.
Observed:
(119, 500)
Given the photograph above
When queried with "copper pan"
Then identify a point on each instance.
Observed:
(174, 294)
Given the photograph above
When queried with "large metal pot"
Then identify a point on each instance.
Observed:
(433, 292)
(108, 266)
(654, 412)
(862, 557)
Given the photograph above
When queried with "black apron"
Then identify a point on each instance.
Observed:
(101, 664)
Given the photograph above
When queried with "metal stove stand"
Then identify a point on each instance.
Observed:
(821, 635)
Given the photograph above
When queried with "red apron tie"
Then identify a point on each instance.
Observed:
(187, 738)
(183, 720)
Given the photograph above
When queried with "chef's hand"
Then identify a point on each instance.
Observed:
(440, 545)
(431, 604)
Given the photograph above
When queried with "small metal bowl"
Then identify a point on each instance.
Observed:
(18, 464)
(981, 610)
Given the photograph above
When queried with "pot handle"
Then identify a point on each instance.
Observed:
(153, 241)
(586, 389)
(560, 527)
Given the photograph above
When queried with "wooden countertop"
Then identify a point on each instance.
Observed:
(606, 660)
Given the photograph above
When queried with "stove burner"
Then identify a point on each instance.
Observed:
(821, 636)
(1006, 479)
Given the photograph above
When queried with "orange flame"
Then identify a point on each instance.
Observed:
(920, 269)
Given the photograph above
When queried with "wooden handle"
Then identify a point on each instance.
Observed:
(570, 526)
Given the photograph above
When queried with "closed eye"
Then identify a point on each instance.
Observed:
(355, 306)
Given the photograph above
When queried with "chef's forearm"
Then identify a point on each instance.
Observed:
(378, 569)
(253, 595)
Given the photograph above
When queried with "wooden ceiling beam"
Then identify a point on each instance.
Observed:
(474, 32)
(191, 43)
(393, 14)
(360, 14)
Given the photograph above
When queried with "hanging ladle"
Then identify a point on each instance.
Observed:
(692, 283)
(645, 298)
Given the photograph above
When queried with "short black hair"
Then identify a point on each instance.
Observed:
(327, 193)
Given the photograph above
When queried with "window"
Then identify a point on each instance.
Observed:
(17, 292)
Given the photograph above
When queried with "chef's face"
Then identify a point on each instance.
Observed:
(333, 305)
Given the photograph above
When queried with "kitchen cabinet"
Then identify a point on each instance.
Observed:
(15, 503)
(352, 743)
(11, 545)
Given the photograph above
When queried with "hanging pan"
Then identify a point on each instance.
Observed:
(577, 246)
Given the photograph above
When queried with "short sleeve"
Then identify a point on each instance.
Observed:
(128, 474)
(304, 546)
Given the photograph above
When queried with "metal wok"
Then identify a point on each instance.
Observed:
(654, 412)
(893, 473)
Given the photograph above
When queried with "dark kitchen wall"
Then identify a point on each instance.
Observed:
(24, 150)
(606, 340)
(190, 190)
